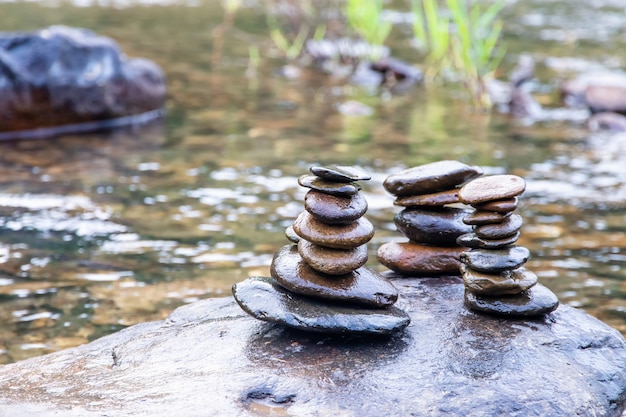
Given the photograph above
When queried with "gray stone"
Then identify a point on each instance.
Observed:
(341, 236)
(507, 282)
(509, 226)
(332, 261)
(291, 235)
(492, 187)
(430, 178)
(340, 173)
(434, 226)
(332, 209)
(495, 261)
(329, 187)
(265, 300)
(536, 301)
(481, 217)
(470, 240)
(209, 358)
(434, 199)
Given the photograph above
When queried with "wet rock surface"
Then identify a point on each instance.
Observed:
(449, 362)
(68, 76)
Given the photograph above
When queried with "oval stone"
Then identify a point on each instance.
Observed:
(470, 240)
(495, 261)
(508, 227)
(434, 226)
(361, 286)
(333, 209)
(340, 173)
(344, 236)
(499, 206)
(507, 282)
(332, 261)
(329, 187)
(264, 299)
(535, 301)
(493, 187)
(434, 199)
(410, 258)
(430, 178)
(480, 217)
(291, 235)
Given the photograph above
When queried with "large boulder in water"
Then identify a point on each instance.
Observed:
(210, 358)
(67, 76)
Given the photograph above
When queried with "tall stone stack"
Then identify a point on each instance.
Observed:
(319, 283)
(493, 273)
(427, 220)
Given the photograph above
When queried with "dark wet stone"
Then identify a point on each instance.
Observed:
(500, 206)
(506, 282)
(495, 261)
(492, 187)
(292, 235)
(430, 178)
(332, 261)
(451, 362)
(470, 240)
(613, 122)
(343, 236)
(536, 301)
(340, 173)
(411, 258)
(332, 209)
(434, 226)
(62, 76)
(435, 199)
(508, 227)
(329, 187)
(606, 98)
(480, 217)
(362, 286)
(398, 71)
(265, 300)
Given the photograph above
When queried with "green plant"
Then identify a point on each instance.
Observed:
(291, 46)
(365, 18)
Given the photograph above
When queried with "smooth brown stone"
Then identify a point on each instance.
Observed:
(411, 258)
(492, 187)
(344, 236)
(430, 178)
(340, 173)
(332, 261)
(495, 261)
(329, 187)
(485, 217)
(435, 199)
(333, 209)
(434, 226)
(535, 301)
(508, 227)
(470, 240)
(500, 206)
(362, 286)
(506, 282)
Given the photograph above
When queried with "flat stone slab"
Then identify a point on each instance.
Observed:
(209, 358)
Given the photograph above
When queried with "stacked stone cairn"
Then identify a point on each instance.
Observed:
(319, 283)
(495, 280)
(429, 219)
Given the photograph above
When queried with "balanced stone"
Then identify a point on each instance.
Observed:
(340, 173)
(507, 282)
(335, 209)
(332, 261)
(493, 187)
(346, 236)
(417, 259)
(435, 226)
(430, 178)
(265, 300)
(499, 206)
(434, 199)
(329, 187)
(535, 301)
(361, 286)
(470, 240)
(481, 217)
(508, 227)
(291, 235)
(494, 261)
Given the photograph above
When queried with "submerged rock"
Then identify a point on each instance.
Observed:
(209, 358)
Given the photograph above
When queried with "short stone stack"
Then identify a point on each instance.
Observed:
(495, 279)
(432, 226)
(319, 283)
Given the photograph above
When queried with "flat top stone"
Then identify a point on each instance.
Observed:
(493, 187)
(340, 173)
(430, 178)
(329, 187)
(210, 358)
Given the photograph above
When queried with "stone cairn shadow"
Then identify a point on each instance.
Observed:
(318, 283)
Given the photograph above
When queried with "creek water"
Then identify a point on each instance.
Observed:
(102, 231)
